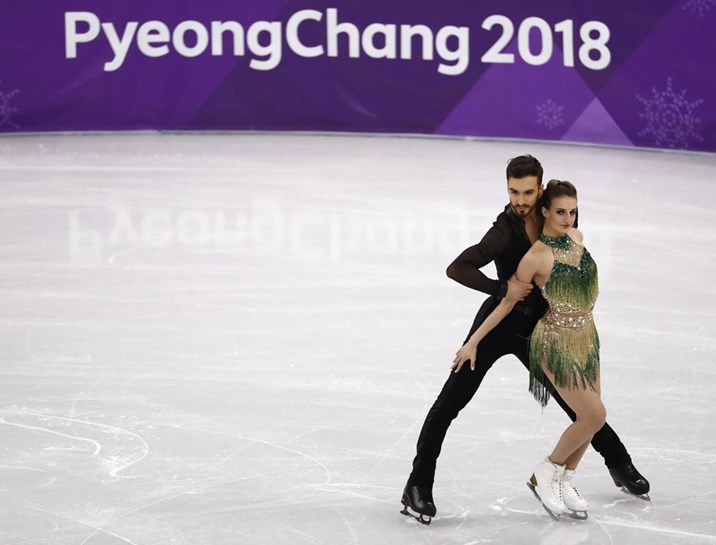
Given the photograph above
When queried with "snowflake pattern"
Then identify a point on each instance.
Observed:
(699, 7)
(670, 117)
(549, 114)
(6, 109)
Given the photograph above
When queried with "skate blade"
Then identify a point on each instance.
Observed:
(644, 497)
(408, 512)
(549, 511)
(579, 515)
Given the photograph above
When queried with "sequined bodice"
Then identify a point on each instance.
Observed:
(572, 287)
(565, 339)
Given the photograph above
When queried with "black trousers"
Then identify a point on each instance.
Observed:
(511, 336)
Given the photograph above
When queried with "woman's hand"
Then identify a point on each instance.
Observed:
(468, 352)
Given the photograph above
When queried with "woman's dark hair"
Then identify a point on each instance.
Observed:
(523, 166)
(554, 189)
(558, 188)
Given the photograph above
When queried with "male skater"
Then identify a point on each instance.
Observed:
(512, 234)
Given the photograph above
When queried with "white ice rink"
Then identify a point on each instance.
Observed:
(234, 339)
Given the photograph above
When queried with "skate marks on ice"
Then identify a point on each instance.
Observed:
(673, 535)
(61, 456)
(35, 524)
(505, 525)
(17, 478)
(114, 449)
(602, 529)
(512, 504)
(566, 533)
(272, 478)
(51, 451)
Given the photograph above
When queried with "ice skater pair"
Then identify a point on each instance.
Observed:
(567, 275)
(564, 345)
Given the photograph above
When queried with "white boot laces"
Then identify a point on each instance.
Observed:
(570, 485)
(557, 485)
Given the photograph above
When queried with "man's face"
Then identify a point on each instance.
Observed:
(523, 193)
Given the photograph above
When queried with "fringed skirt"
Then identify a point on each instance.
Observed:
(570, 347)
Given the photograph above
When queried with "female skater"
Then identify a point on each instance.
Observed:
(564, 347)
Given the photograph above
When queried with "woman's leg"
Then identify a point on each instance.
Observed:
(591, 416)
(573, 459)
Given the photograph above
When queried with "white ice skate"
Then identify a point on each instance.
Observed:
(546, 484)
(574, 502)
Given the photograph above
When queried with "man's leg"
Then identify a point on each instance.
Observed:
(456, 393)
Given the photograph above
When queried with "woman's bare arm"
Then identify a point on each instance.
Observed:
(526, 270)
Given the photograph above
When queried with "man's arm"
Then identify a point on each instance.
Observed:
(465, 269)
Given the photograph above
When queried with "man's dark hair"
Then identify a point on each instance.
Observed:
(524, 165)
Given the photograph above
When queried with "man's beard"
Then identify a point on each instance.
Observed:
(522, 211)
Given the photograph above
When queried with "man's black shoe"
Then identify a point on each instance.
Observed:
(630, 480)
(418, 499)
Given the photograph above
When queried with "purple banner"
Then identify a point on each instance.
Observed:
(638, 73)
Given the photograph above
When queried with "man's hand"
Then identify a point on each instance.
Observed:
(516, 290)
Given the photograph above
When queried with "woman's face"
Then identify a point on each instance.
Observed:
(561, 215)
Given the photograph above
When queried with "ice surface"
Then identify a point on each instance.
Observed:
(234, 339)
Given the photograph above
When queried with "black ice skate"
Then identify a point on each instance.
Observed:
(630, 481)
(418, 503)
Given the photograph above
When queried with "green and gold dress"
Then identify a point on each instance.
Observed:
(565, 337)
